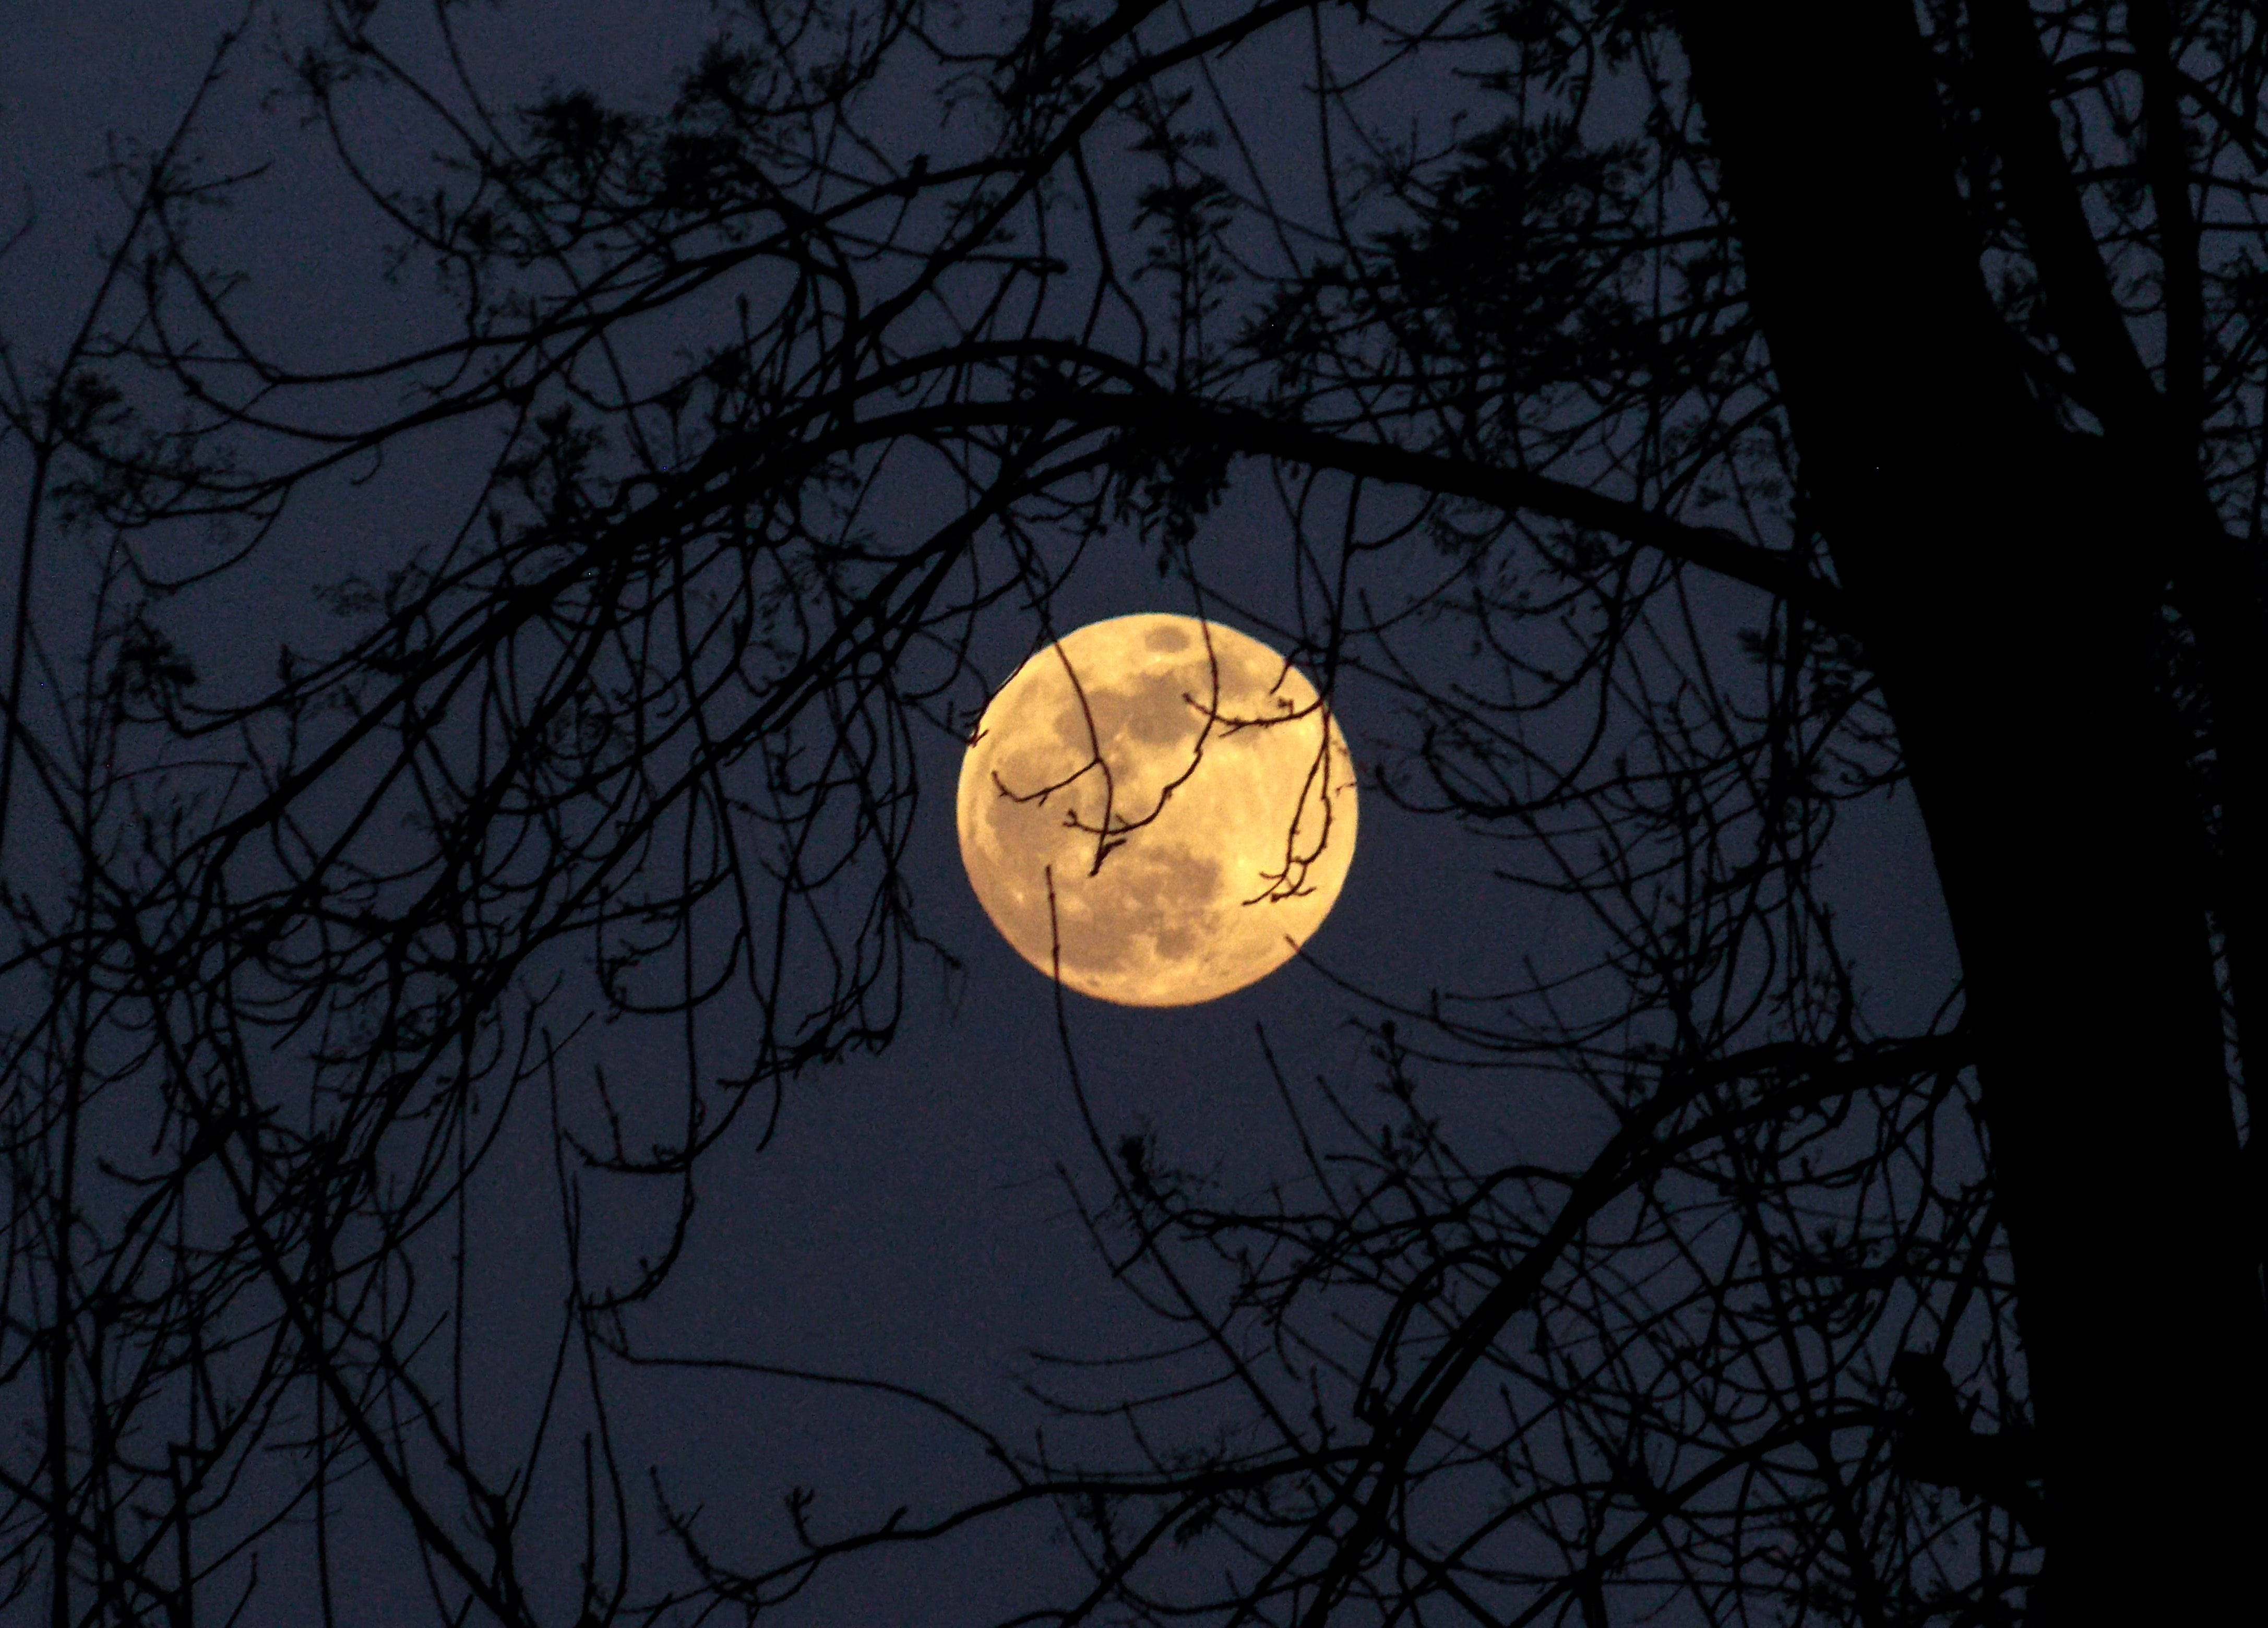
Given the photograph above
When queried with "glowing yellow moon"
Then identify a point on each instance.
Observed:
(1193, 799)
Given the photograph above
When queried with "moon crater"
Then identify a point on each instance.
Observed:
(1187, 790)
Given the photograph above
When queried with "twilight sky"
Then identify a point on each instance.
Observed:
(906, 1223)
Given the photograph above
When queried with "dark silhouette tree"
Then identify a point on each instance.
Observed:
(1732, 417)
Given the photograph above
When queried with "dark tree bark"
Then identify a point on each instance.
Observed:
(2009, 576)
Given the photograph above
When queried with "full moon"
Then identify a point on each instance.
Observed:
(1187, 790)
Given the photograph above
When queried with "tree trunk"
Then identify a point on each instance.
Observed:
(2009, 582)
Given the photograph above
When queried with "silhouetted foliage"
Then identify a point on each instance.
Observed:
(1706, 421)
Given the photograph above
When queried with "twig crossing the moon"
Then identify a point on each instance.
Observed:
(1191, 792)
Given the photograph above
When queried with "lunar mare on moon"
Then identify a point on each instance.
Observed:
(1191, 796)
